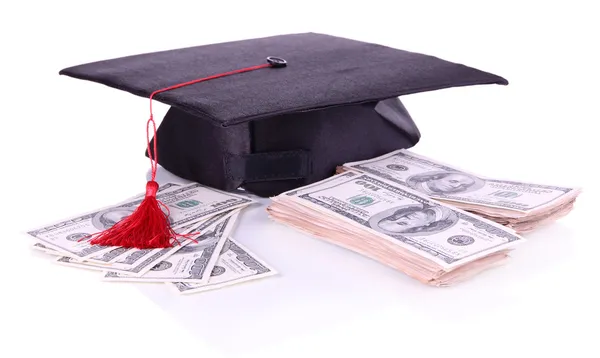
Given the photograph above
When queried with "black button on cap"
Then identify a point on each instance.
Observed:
(276, 61)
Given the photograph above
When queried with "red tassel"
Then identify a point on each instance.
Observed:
(146, 228)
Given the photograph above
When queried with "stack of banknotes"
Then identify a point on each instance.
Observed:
(433, 242)
(517, 205)
(208, 259)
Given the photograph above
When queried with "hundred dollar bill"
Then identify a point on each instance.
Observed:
(104, 256)
(89, 265)
(132, 256)
(107, 257)
(357, 203)
(140, 266)
(128, 256)
(440, 181)
(236, 264)
(187, 204)
(71, 262)
(163, 188)
(192, 263)
(94, 265)
(123, 258)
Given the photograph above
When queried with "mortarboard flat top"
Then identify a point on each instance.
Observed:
(322, 71)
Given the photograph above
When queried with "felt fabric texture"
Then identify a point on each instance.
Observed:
(274, 129)
(194, 149)
(333, 136)
(322, 71)
(276, 154)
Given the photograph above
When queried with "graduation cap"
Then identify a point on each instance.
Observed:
(275, 113)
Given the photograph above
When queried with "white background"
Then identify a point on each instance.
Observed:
(69, 146)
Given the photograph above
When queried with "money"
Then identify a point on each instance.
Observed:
(124, 256)
(135, 259)
(187, 204)
(192, 263)
(207, 216)
(71, 262)
(518, 205)
(132, 256)
(433, 242)
(144, 260)
(105, 256)
(161, 189)
(235, 265)
(110, 256)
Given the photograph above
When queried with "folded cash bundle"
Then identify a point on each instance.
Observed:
(520, 206)
(206, 259)
(432, 242)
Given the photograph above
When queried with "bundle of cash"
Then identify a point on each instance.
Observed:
(517, 205)
(208, 258)
(433, 242)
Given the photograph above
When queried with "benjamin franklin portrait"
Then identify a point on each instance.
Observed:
(444, 182)
(414, 220)
(108, 218)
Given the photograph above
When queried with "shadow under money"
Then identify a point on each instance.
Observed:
(321, 286)
(546, 249)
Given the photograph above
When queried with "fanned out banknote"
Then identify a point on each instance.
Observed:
(235, 264)
(517, 205)
(187, 204)
(192, 263)
(136, 268)
(207, 214)
(433, 242)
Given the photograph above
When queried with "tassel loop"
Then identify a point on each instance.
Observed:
(151, 188)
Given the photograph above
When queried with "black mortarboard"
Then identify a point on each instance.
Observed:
(271, 129)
